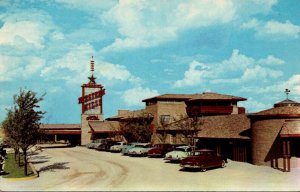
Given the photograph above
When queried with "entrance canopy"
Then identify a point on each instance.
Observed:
(104, 126)
(291, 128)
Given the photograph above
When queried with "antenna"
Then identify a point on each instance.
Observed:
(287, 91)
(92, 65)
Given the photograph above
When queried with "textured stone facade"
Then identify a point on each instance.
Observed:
(265, 141)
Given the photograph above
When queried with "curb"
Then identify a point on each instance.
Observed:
(36, 175)
(33, 169)
(21, 179)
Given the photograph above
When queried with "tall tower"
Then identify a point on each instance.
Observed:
(91, 104)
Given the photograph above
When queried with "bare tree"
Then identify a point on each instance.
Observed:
(189, 127)
(138, 128)
(164, 121)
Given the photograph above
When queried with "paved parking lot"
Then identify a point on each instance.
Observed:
(85, 169)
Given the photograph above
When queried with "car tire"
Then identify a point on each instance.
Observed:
(223, 164)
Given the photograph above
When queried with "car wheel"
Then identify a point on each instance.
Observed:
(203, 169)
(223, 164)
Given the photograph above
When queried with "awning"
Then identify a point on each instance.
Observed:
(290, 128)
(63, 132)
(104, 126)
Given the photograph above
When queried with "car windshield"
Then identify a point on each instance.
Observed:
(204, 152)
(179, 149)
(143, 146)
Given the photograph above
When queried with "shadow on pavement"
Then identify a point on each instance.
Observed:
(38, 162)
(54, 166)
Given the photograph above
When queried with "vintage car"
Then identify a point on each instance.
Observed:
(203, 159)
(126, 148)
(140, 149)
(94, 143)
(178, 153)
(105, 146)
(159, 150)
(118, 146)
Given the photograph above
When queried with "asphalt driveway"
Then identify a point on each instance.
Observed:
(84, 169)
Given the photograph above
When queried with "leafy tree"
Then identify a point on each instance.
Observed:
(138, 128)
(11, 133)
(22, 123)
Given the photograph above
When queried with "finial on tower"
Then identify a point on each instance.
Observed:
(287, 91)
(92, 64)
(92, 78)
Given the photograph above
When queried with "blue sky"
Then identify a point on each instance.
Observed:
(146, 48)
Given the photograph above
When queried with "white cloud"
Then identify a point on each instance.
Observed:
(147, 24)
(118, 72)
(271, 60)
(237, 61)
(293, 83)
(252, 7)
(76, 63)
(259, 73)
(134, 96)
(12, 68)
(273, 29)
(25, 28)
(195, 75)
(12, 33)
(238, 68)
(252, 105)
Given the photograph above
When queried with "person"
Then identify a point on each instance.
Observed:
(3, 152)
(1, 164)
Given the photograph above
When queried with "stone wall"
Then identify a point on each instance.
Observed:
(265, 140)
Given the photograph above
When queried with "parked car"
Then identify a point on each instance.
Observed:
(178, 153)
(94, 143)
(126, 148)
(118, 146)
(159, 150)
(105, 146)
(140, 149)
(203, 159)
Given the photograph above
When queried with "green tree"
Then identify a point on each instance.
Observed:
(22, 124)
(138, 128)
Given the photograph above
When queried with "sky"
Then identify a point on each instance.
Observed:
(248, 48)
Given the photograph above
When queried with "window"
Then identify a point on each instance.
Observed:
(165, 119)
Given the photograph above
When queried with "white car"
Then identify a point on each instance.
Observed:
(140, 149)
(118, 147)
(178, 153)
(94, 143)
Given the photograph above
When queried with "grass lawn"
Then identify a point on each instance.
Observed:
(12, 169)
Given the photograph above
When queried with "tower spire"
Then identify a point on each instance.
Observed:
(92, 66)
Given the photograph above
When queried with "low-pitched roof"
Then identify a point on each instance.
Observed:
(127, 115)
(197, 96)
(215, 96)
(60, 126)
(278, 111)
(290, 127)
(235, 126)
(181, 97)
(104, 126)
(286, 102)
(225, 126)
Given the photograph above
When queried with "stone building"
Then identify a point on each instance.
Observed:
(276, 136)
